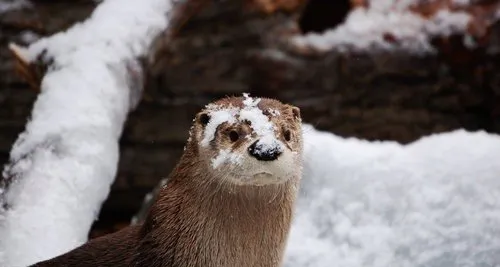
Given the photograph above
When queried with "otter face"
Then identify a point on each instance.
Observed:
(249, 141)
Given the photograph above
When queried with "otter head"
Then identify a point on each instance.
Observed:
(249, 141)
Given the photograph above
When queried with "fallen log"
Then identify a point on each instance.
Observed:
(63, 164)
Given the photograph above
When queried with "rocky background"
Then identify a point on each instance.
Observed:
(237, 46)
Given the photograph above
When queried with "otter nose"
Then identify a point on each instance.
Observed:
(264, 152)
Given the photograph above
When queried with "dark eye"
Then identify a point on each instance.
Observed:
(234, 136)
(204, 119)
(288, 135)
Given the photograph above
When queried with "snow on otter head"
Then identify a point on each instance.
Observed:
(249, 141)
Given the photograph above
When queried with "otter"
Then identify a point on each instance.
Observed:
(228, 202)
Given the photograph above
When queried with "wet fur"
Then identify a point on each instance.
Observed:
(199, 221)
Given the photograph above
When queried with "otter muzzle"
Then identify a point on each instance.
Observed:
(265, 151)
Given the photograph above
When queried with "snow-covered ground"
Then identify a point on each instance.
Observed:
(63, 164)
(432, 203)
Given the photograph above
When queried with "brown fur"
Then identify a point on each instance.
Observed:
(200, 222)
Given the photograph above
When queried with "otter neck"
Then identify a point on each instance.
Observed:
(196, 222)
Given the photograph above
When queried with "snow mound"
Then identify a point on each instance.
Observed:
(432, 203)
(62, 166)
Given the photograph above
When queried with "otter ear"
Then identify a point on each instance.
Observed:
(296, 112)
(203, 118)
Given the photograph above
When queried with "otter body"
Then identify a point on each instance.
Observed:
(228, 202)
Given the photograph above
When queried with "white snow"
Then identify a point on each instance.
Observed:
(274, 112)
(226, 155)
(260, 124)
(386, 24)
(461, 3)
(268, 144)
(66, 159)
(29, 37)
(250, 102)
(432, 203)
(6, 5)
(446, 23)
(217, 117)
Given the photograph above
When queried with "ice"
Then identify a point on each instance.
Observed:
(432, 203)
(63, 164)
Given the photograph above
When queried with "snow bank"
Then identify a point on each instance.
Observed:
(433, 203)
(386, 24)
(62, 166)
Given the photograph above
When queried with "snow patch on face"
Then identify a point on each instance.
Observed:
(274, 112)
(258, 121)
(226, 156)
(268, 145)
(217, 118)
(262, 127)
(249, 101)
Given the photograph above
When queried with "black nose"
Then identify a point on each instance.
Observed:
(264, 152)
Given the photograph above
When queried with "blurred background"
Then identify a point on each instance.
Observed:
(394, 91)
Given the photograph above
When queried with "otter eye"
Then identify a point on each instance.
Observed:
(204, 119)
(234, 136)
(288, 135)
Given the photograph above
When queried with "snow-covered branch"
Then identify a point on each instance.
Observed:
(62, 166)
